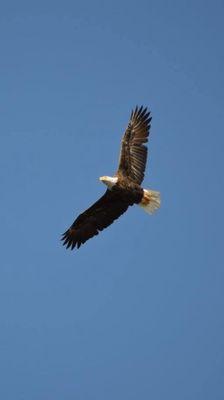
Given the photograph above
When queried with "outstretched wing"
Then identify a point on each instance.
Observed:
(133, 151)
(100, 215)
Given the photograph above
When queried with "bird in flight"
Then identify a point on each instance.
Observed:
(123, 189)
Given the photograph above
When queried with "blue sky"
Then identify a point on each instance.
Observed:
(137, 312)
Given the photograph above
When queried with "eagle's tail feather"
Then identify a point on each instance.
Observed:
(150, 201)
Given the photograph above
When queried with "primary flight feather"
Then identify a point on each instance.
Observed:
(124, 188)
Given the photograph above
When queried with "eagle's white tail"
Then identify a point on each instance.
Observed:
(150, 201)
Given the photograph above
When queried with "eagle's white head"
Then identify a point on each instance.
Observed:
(110, 181)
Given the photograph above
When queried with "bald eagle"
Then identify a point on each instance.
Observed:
(123, 189)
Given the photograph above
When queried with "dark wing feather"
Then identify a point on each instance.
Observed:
(100, 215)
(133, 154)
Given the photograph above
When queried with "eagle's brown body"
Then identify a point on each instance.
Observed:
(128, 190)
(124, 189)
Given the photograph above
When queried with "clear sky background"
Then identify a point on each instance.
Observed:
(137, 312)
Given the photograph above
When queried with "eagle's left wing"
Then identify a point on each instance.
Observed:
(133, 154)
(100, 215)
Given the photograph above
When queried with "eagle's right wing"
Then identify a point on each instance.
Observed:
(100, 215)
